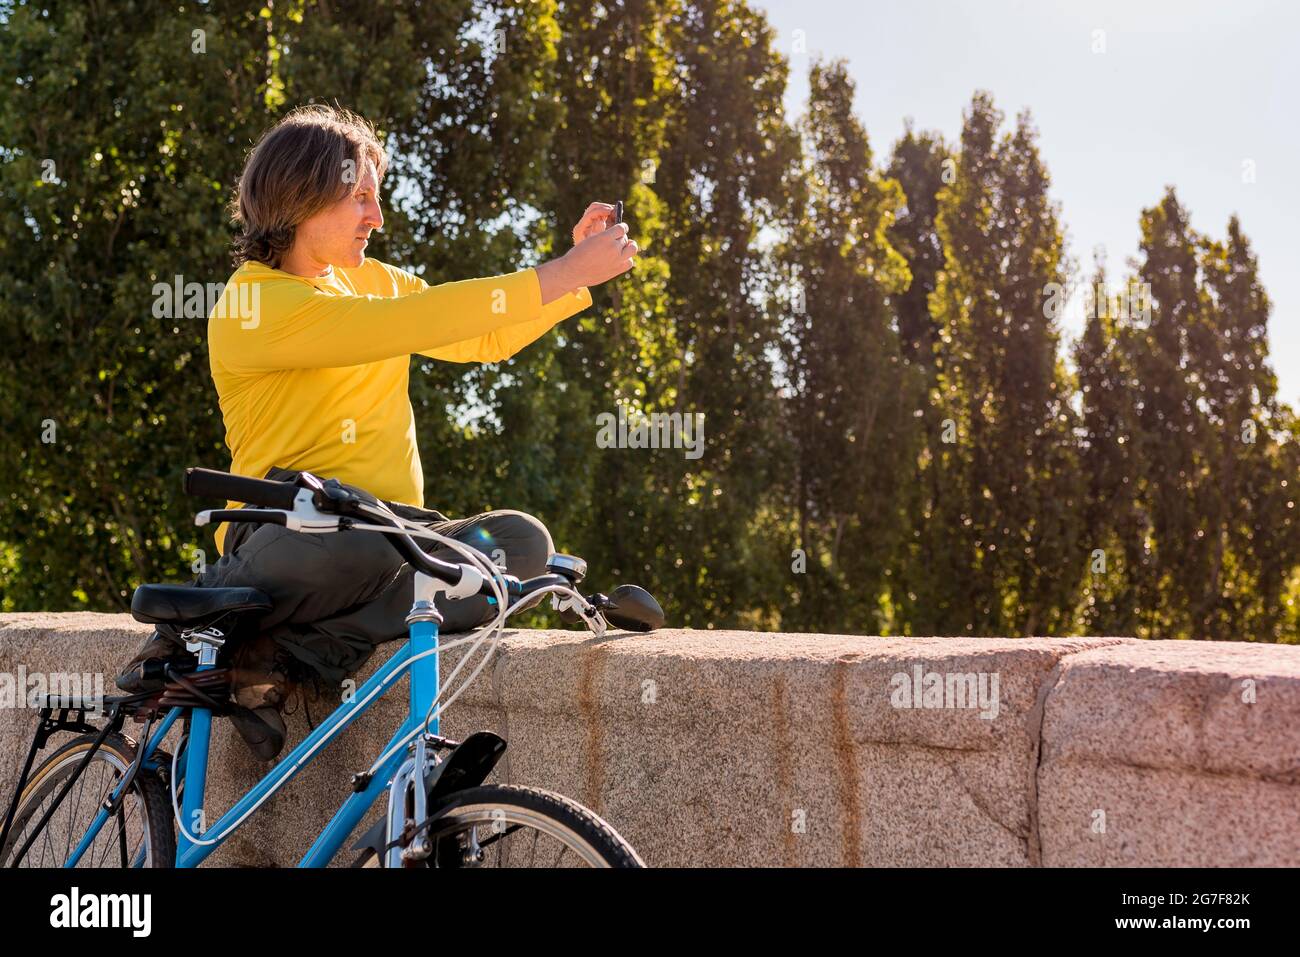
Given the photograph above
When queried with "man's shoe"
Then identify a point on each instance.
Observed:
(145, 672)
(259, 674)
(262, 729)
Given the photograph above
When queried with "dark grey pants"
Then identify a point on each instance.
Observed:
(339, 595)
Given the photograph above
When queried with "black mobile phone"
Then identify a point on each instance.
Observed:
(618, 212)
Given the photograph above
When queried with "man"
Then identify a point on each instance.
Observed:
(310, 352)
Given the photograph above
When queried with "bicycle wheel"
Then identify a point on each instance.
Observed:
(512, 826)
(138, 835)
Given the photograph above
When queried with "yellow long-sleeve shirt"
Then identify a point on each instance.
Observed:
(313, 373)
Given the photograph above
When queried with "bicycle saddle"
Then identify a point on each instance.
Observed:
(191, 606)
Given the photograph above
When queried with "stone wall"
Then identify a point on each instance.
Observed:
(707, 748)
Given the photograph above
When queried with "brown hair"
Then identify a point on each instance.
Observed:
(296, 170)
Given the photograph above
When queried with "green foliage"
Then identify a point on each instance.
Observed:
(852, 409)
(918, 164)
(1002, 488)
(1193, 461)
(833, 320)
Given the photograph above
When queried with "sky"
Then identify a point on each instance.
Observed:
(1198, 95)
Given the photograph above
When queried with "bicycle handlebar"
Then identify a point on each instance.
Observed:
(448, 572)
(207, 483)
(259, 515)
(280, 499)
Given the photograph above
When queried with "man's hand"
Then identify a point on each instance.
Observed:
(600, 255)
(597, 218)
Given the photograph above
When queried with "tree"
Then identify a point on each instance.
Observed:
(853, 396)
(999, 550)
(120, 158)
(918, 163)
(723, 177)
(1113, 515)
(1207, 522)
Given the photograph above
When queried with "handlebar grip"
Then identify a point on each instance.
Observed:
(258, 515)
(514, 588)
(207, 483)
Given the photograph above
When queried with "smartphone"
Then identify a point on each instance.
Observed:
(618, 212)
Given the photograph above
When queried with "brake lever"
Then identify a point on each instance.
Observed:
(589, 611)
(573, 610)
(596, 623)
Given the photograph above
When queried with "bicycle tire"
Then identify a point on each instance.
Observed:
(146, 801)
(561, 818)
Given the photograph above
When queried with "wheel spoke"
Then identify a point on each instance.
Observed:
(103, 795)
(122, 825)
(18, 840)
(104, 792)
(81, 786)
(48, 843)
(67, 850)
(123, 840)
(28, 833)
(100, 770)
(21, 829)
(123, 815)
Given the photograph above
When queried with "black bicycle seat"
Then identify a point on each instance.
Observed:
(191, 606)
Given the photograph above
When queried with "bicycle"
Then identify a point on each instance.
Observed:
(439, 811)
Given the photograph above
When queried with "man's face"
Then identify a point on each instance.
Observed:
(336, 236)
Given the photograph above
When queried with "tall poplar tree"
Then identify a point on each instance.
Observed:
(1114, 518)
(1211, 442)
(919, 163)
(853, 395)
(999, 549)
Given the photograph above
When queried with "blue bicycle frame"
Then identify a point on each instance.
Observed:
(422, 637)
